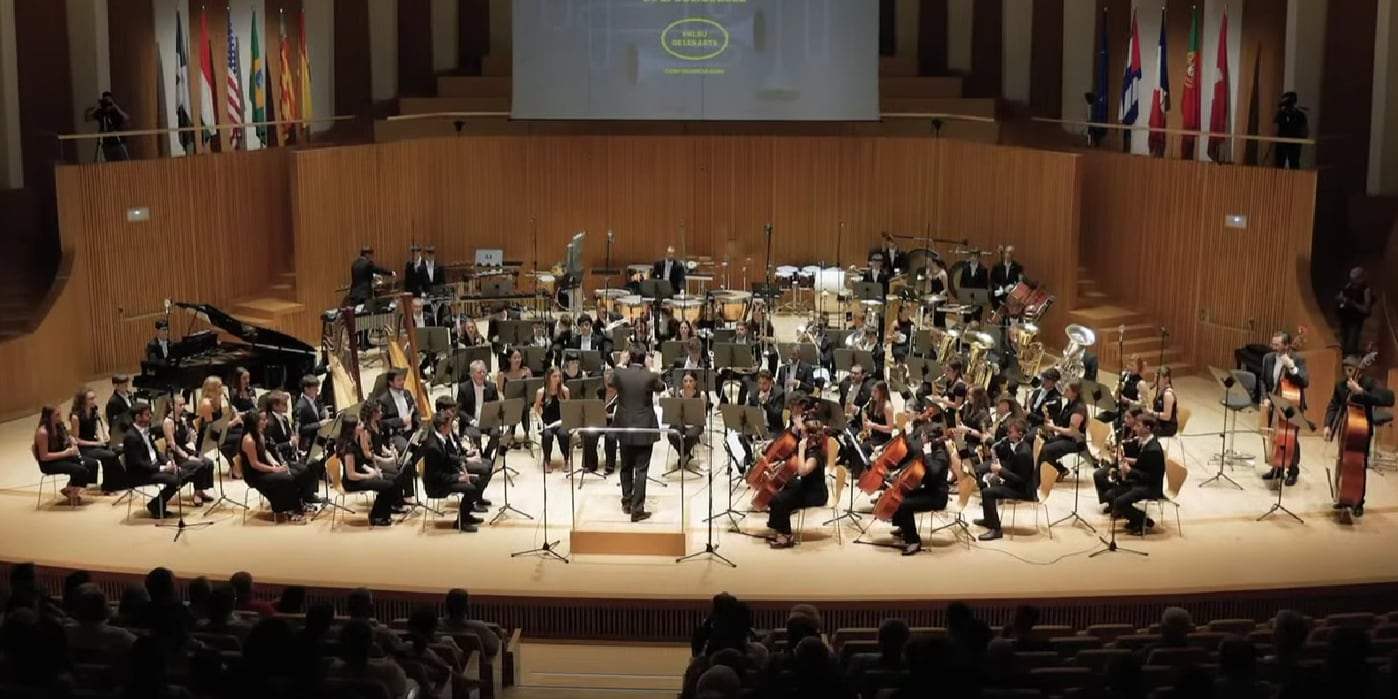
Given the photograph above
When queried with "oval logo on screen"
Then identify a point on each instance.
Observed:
(694, 39)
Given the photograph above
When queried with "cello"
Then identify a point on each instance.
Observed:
(873, 478)
(781, 448)
(1352, 431)
(774, 475)
(906, 482)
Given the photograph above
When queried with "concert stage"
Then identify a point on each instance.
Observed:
(1257, 565)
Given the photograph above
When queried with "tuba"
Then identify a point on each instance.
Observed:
(946, 342)
(1079, 339)
(979, 368)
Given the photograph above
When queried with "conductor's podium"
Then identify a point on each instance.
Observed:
(600, 527)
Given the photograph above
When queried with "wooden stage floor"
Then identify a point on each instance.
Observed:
(1223, 546)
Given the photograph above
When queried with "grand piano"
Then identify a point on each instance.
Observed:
(275, 359)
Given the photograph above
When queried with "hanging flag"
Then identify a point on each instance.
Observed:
(1160, 99)
(235, 88)
(1131, 85)
(208, 118)
(1191, 88)
(288, 96)
(1100, 89)
(182, 118)
(306, 111)
(1218, 111)
(257, 86)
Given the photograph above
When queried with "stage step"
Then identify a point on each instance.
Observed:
(1122, 332)
(264, 310)
(600, 527)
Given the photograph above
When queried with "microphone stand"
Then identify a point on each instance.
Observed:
(1109, 545)
(767, 278)
(180, 526)
(1160, 360)
(548, 549)
(710, 548)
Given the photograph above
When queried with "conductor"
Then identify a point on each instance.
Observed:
(636, 387)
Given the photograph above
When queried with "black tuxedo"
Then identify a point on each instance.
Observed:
(598, 343)
(412, 280)
(392, 421)
(1146, 481)
(676, 276)
(635, 399)
(1002, 276)
(307, 421)
(144, 464)
(157, 353)
(977, 278)
(802, 373)
(362, 272)
(467, 425)
(118, 411)
(442, 468)
(1037, 401)
(279, 435)
(881, 277)
(861, 397)
(1018, 480)
(772, 411)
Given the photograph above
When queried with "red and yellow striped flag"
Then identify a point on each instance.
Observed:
(288, 101)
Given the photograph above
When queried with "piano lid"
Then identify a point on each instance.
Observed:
(247, 332)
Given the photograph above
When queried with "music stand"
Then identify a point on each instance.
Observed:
(1287, 412)
(590, 360)
(1226, 455)
(535, 358)
(213, 438)
(324, 436)
(522, 390)
(494, 416)
(805, 351)
(869, 291)
(744, 421)
(979, 298)
(577, 414)
(547, 549)
(682, 413)
(671, 351)
(583, 388)
(656, 290)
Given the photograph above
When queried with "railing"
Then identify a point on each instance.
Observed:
(1172, 144)
(69, 144)
(882, 115)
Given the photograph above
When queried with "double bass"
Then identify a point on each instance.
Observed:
(1352, 431)
(1284, 435)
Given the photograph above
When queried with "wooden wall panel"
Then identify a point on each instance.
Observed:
(135, 74)
(1153, 236)
(827, 198)
(353, 63)
(219, 231)
(48, 365)
(1020, 197)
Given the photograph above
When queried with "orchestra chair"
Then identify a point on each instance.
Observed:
(433, 504)
(1175, 476)
(966, 487)
(133, 488)
(334, 470)
(51, 478)
(1182, 415)
(1048, 475)
(249, 492)
(1381, 460)
(1097, 433)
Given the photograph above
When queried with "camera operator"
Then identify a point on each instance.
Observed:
(110, 118)
(1291, 123)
